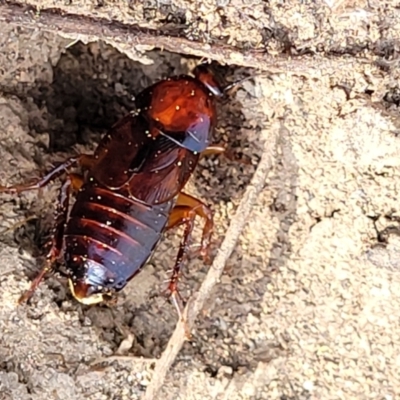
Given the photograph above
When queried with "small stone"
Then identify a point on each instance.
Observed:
(126, 344)
(225, 371)
(308, 385)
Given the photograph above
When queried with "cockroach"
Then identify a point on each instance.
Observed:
(130, 190)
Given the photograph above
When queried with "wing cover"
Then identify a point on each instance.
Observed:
(163, 174)
(152, 169)
(122, 152)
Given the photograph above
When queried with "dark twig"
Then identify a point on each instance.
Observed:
(91, 28)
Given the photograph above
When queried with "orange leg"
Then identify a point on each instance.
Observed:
(213, 149)
(184, 213)
(219, 149)
(73, 182)
(85, 161)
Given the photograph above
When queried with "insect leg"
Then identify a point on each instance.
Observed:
(184, 213)
(213, 149)
(73, 182)
(83, 160)
(219, 149)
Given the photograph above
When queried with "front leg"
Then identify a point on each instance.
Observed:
(216, 149)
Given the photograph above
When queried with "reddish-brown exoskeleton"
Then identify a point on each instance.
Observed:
(130, 190)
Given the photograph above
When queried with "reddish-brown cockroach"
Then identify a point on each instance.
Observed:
(130, 190)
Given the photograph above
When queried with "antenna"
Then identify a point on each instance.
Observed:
(226, 88)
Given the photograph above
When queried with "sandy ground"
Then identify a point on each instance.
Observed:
(308, 306)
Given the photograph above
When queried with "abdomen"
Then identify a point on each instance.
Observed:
(112, 234)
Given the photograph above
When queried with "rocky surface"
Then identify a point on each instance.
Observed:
(308, 306)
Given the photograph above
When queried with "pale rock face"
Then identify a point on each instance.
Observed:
(308, 305)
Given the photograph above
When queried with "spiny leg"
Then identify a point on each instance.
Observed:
(73, 182)
(85, 161)
(17, 225)
(186, 209)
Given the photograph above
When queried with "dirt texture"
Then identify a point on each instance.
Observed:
(308, 305)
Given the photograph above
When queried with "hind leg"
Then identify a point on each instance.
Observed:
(72, 182)
(184, 213)
(186, 209)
